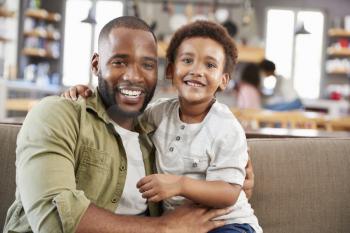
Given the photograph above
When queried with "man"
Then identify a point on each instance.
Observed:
(283, 97)
(74, 172)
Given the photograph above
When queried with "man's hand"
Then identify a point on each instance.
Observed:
(158, 187)
(192, 219)
(79, 90)
(248, 184)
(184, 219)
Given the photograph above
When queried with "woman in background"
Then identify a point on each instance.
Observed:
(248, 90)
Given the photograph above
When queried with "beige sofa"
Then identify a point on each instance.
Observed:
(301, 185)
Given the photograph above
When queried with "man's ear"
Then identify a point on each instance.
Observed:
(169, 71)
(95, 63)
(225, 78)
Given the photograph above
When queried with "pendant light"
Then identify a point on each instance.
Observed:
(90, 19)
(300, 29)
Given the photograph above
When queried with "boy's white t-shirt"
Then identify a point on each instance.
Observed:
(215, 149)
(131, 201)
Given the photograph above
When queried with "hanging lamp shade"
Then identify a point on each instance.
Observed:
(90, 19)
(300, 30)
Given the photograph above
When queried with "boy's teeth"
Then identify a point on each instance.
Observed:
(193, 84)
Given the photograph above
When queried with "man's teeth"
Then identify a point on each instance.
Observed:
(130, 93)
(193, 84)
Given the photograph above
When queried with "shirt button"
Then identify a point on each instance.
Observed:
(122, 168)
(171, 149)
(178, 138)
(182, 127)
(114, 200)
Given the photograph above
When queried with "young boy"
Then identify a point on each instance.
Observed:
(201, 150)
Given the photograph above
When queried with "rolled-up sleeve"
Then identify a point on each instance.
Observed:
(229, 157)
(45, 167)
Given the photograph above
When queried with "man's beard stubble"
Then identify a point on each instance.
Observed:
(108, 96)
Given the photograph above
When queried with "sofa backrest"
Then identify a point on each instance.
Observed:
(301, 185)
(8, 135)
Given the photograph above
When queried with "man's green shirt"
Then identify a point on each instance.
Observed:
(68, 155)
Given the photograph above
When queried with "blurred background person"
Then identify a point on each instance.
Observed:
(278, 92)
(248, 89)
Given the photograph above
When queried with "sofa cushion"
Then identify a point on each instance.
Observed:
(301, 185)
(8, 135)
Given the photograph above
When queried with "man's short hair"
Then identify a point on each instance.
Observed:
(205, 29)
(130, 22)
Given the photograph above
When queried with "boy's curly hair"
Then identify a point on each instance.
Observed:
(207, 29)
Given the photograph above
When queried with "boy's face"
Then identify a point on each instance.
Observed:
(198, 70)
(127, 70)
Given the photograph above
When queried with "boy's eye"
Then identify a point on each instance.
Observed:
(211, 65)
(187, 60)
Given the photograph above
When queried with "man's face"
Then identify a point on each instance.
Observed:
(127, 71)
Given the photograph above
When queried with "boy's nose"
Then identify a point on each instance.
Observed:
(197, 74)
(197, 70)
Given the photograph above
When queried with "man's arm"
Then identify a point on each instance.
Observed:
(45, 167)
(185, 219)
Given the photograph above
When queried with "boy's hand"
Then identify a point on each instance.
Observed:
(79, 90)
(158, 187)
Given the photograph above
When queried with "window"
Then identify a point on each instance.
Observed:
(81, 38)
(296, 56)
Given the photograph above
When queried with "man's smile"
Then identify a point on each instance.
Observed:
(130, 92)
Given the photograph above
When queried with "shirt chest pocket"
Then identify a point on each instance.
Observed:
(92, 174)
(195, 164)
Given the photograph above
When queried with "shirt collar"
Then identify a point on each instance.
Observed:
(95, 104)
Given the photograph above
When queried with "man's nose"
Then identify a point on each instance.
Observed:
(133, 74)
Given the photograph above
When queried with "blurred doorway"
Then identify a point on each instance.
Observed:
(81, 38)
(297, 56)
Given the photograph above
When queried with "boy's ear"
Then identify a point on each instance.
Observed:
(225, 78)
(169, 71)
(95, 63)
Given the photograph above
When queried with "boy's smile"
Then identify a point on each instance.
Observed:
(198, 70)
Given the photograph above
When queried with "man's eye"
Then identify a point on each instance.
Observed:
(148, 66)
(118, 63)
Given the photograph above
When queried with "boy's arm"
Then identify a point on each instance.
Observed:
(216, 194)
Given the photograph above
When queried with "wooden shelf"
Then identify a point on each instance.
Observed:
(43, 15)
(36, 52)
(250, 54)
(43, 34)
(20, 104)
(338, 52)
(338, 32)
(339, 72)
(6, 13)
(4, 39)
